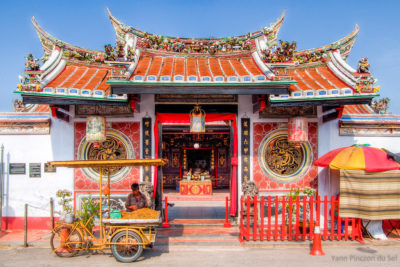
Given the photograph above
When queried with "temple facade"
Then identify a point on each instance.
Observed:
(222, 112)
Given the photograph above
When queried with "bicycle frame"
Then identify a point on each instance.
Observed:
(107, 230)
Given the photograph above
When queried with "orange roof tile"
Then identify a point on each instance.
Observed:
(179, 66)
(167, 66)
(309, 83)
(204, 69)
(300, 84)
(191, 67)
(42, 108)
(103, 86)
(68, 70)
(199, 66)
(239, 67)
(252, 66)
(96, 79)
(85, 78)
(357, 109)
(155, 66)
(74, 77)
(215, 68)
(142, 66)
(315, 78)
(331, 77)
(314, 74)
(227, 67)
(294, 87)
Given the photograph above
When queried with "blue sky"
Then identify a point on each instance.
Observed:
(310, 23)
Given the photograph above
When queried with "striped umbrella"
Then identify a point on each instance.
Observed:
(358, 157)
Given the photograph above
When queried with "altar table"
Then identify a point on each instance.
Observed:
(195, 187)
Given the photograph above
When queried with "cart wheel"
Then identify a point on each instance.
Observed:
(126, 252)
(70, 247)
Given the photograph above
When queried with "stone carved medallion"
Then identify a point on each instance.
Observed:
(116, 146)
(282, 161)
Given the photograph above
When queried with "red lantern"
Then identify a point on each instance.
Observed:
(298, 130)
(96, 129)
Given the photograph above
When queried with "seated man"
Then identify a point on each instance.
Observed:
(135, 200)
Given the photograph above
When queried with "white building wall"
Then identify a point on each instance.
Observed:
(36, 192)
(330, 139)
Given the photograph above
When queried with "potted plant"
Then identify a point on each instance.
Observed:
(90, 208)
(65, 199)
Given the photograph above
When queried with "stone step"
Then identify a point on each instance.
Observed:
(193, 231)
(199, 223)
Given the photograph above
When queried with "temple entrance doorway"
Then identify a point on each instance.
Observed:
(197, 176)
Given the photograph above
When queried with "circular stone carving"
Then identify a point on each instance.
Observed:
(116, 146)
(282, 161)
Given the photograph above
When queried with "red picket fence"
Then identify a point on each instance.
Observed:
(278, 218)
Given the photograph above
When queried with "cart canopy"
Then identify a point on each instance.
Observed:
(107, 163)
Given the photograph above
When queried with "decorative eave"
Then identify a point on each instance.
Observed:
(24, 123)
(320, 100)
(369, 125)
(242, 88)
(66, 99)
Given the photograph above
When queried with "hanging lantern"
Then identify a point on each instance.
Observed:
(96, 129)
(197, 120)
(298, 130)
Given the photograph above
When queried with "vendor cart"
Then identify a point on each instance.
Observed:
(125, 237)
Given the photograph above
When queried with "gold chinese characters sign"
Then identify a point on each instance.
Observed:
(146, 146)
(245, 123)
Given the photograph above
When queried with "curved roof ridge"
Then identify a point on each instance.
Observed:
(49, 41)
(213, 46)
(344, 45)
(122, 27)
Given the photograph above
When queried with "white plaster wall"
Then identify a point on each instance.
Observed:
(330, 139)
(36, 192)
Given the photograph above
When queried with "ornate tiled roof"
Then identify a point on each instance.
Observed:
(358, 110)
(142, 60)
(164, 68)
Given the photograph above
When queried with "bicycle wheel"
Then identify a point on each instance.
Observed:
(126, 252)
(70, 247)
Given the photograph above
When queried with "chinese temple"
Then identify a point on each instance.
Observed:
(222, 112)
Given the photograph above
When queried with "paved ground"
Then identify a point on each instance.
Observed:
(195, 242)
(359, 255)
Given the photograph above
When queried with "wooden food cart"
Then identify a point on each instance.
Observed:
(125, 237)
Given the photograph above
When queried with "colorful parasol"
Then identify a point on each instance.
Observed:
(358, 157)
